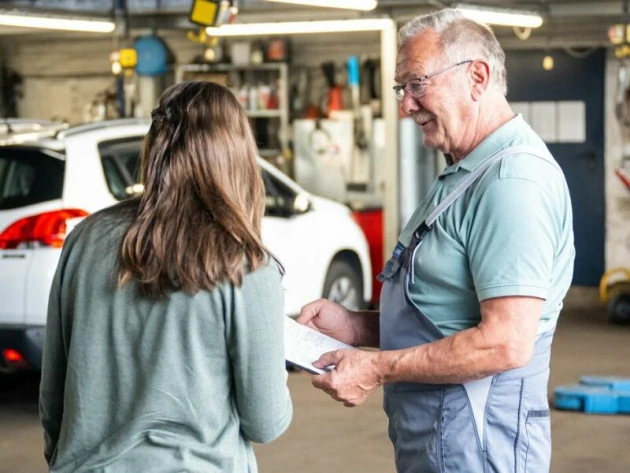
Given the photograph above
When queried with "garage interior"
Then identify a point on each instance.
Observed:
(322, 110)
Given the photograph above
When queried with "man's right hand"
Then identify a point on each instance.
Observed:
(331, 319)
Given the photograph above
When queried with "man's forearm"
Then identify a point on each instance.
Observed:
(460, 358)
(367, 328)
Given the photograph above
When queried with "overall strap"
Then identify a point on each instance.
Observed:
(468, 181)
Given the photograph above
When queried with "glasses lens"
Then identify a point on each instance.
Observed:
(416, 88)
(400, 92)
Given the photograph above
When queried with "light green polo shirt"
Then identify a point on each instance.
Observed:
(509, 234)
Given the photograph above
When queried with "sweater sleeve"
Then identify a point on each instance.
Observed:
(54, 359)
(255, 332)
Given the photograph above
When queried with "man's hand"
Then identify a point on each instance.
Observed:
(330, 319)
(355, 376)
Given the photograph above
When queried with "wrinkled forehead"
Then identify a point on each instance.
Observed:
(419, 56)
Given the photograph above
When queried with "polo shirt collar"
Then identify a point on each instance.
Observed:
(489, 146)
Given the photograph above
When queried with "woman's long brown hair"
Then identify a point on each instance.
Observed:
(198, 220)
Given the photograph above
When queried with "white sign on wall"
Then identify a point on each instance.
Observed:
(571, 122)
(555, 122)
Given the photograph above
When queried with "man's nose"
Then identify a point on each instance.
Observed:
(409, 104)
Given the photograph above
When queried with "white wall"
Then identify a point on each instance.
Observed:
(617, 196)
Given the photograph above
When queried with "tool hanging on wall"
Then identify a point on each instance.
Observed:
(619, 35)
(335, 91)
(360, 169)
(372, 85)
(622, 113)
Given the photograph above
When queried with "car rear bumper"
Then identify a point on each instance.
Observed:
(28, 341)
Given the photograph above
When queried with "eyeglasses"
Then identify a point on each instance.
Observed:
(418, 87)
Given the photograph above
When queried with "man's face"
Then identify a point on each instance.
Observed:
(444, 107)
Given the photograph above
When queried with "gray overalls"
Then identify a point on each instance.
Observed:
(499, 424)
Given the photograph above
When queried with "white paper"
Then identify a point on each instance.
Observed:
(303, 345)
(543, 120)
(571, 122)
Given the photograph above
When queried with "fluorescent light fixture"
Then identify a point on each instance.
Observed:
(500, 16)
(300, 27)
(56, 23)
(347, 4)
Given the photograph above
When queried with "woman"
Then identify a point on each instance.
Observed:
(164, 346)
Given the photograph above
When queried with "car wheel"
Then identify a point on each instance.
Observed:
(619, 309)
(619, 302)
(343, 285)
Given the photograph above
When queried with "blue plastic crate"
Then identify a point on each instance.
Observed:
(589, 399)
(623, 402)
(595, 395)
(610, 382)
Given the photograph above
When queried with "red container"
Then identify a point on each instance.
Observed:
(371, 222)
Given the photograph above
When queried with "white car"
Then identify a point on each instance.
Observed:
(47, 185)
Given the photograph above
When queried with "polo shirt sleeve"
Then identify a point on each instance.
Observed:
(512, 239)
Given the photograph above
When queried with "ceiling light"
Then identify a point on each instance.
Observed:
(500, 16)
(56, 23)
(347, 4)
(300, 27)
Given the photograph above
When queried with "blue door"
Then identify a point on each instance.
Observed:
(573, 79)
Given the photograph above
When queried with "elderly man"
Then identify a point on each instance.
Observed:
(467, 317)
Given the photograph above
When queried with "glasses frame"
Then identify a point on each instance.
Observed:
(401, 90)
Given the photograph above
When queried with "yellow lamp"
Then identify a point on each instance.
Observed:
(204, 12)
(128, 58)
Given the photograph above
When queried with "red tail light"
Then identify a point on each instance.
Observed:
(47, 229)
(12, 356)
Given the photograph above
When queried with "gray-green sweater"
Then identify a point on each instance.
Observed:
(180, 385)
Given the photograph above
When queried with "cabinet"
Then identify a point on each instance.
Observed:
(253, 84)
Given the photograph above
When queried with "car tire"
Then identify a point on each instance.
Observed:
(343, 285)
(619, 303)
(619, 310)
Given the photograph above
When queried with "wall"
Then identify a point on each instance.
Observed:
(574, 88)
(62, 76)
(617, 196)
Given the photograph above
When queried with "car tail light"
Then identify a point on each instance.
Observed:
(13, 359)
(12, 356)
(46, 229)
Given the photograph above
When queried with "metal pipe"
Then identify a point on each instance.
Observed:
(391, 204)
(121, 14)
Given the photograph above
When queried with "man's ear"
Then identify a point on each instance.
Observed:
(479, 78)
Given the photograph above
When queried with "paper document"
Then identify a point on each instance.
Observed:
(303, 346)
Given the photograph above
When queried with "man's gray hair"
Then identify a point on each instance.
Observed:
(462, 39)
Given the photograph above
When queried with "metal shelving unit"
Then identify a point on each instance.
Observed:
(251, 72)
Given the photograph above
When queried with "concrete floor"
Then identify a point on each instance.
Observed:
(326, 437)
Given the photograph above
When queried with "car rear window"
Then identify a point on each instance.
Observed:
(28, 177)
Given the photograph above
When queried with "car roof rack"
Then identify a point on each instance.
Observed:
(18, 121)
(15, 125)
(17, 131)
(78, 129)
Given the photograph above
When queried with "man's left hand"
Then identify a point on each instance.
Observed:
(354, 377)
